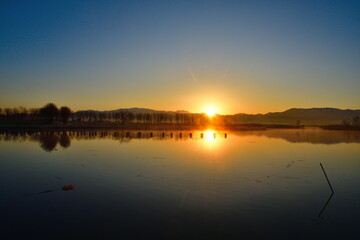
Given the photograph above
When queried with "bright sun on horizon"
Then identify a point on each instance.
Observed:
(211, 111)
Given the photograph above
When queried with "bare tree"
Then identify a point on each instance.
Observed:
(49, 112)
(356, 121)
(65, 113)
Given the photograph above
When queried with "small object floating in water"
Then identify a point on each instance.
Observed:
(68, 187)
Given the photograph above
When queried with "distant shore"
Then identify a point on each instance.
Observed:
(73, 126)
(340, 127)
(58, 126)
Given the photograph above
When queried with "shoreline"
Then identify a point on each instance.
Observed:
(340, 127)
(116, 126)
(77, 126)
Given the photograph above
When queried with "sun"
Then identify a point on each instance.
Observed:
(210, 112)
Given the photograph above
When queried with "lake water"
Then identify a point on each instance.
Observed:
(197, 185)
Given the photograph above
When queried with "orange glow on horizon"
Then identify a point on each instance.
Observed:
(210, 112)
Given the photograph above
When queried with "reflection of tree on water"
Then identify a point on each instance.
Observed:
(314, 136)
(123, 139)
(48, 142)
(65, 141)
(49, 139)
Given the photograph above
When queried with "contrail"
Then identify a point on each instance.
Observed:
(192, 75)
(195, 80)
(225, 72)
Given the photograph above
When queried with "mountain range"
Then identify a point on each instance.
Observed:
(136, 110)
(303, 116)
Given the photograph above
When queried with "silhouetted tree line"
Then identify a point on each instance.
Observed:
(124, 117)
(355, 122)
(50, 113)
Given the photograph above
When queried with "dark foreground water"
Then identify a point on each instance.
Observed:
(185, 185)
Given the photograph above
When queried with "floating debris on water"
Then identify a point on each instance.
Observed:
(68, 187)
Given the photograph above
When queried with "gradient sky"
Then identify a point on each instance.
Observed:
(238, 56)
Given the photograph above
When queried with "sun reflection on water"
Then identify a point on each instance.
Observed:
(209, 139)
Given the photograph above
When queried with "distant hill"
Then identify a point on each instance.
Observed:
(306, 116)
(135, 110)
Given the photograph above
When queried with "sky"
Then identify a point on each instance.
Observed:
(230, 56)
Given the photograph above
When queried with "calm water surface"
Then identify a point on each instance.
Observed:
(200, 184)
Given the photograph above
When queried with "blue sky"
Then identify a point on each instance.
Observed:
(240, 56)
